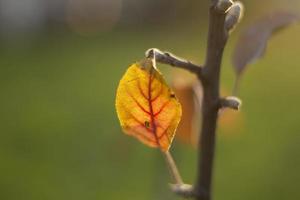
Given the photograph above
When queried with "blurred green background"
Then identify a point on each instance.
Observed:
(60, 63)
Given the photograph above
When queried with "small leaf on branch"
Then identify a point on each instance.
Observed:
(253, 41)
(147, 108)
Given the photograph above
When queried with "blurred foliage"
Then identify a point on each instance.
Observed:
(60, 138)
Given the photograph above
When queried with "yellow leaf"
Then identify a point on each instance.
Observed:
(147, 108)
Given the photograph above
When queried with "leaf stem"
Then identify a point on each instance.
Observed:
(236, 85)
(173, 168)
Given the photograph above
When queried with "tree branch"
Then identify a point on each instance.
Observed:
(223, 16)
(170, 59)
(217, 37)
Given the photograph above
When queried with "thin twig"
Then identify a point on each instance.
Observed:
(170, 59)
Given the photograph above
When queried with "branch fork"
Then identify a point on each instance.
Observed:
(223, 17)
(171, 59)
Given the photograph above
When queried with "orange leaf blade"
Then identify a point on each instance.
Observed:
(147, 108)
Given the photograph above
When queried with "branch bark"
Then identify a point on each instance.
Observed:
(217, 38)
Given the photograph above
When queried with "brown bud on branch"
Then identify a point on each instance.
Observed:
(234, 16)
(230, 102)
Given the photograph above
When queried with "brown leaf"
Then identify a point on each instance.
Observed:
(253, 41)
(184, 84)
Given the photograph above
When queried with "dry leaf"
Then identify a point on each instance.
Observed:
(147, 108)
(188, 90)
(253, 41)
(184, 85)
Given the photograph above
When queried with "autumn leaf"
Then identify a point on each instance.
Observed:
(147, 108)
(185, 85)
